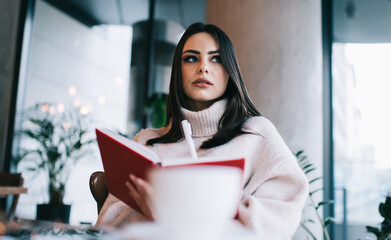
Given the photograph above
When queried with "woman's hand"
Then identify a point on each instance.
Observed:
(140, 191)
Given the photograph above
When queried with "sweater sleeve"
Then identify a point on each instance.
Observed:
(274, 209)
(115, 213)
(276, 192)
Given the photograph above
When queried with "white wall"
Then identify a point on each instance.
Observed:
(96, 61)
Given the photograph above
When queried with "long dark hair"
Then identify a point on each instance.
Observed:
(239, 106)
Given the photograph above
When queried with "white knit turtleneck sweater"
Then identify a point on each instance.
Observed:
(275, 188)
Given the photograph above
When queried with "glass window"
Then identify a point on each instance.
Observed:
(362, 116)
(73, 65)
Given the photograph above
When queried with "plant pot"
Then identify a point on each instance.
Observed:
(52, 212)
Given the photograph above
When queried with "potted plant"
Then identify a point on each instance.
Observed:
(155, 110)
(384, 232)
(56, 142)
(307, 168)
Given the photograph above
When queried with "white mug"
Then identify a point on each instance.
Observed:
(195, 202)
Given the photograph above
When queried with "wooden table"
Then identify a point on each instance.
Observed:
(4, 191)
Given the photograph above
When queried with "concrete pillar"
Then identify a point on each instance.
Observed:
(279, 49)
(9, 31)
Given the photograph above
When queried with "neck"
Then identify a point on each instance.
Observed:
(196, 106)
(205, 122)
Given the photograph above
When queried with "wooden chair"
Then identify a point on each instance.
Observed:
(98, 188)
(11, 180)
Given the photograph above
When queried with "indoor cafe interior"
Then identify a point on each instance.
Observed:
(317, 69)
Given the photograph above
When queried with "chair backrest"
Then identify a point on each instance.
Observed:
(98, 188)
(11, 180)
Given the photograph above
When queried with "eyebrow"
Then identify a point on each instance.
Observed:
(198, 52)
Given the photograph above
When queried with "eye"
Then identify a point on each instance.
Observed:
(216, 59)
(190, 59)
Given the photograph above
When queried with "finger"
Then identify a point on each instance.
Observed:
(139, 184)
(133, 191)
(133, 181)
(145, 189)
(142, 189)
(132, 177)
(148, 188)
(129, 186)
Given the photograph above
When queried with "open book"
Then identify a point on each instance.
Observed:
(122, 156)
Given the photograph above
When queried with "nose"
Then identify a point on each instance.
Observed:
(203, 67)
(201, 70)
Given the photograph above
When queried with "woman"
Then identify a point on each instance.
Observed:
(207, 89)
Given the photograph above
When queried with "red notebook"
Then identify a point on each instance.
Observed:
(122, 156)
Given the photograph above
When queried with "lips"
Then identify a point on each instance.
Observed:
(202, 82)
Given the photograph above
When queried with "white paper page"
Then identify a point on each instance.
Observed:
(143, 150)
(190, 160)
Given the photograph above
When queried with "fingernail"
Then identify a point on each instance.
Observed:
(140, 181)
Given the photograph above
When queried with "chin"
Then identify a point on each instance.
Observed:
(204, 100)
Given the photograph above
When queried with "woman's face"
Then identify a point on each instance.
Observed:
(203, 75)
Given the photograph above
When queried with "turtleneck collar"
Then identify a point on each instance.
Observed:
(205, 123)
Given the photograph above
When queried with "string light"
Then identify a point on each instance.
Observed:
(72, 90)
(101, 99)
(119, 81)
(66, 126)
(45, 107)
(52, 110)
(60, 108)
(84, 110)
(76, 102)
(90, 107)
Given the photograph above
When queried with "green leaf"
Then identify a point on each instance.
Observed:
(314, 180)
(308, 230)
(302, 161)
(315, 191)
(324, 203)
(309, 170)
(303, 158)
(308, 220)
(328, 220)
(385, 209)
(374, 230)
(302, 164)
(307, 166)
(299, 153)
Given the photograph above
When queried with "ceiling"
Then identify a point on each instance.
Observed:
(127, 12)
(354, 20)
